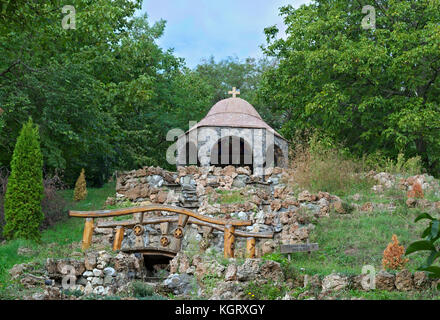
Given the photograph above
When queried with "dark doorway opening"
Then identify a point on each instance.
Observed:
(156, 264)
(232, 150)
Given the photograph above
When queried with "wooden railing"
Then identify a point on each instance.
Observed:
(185, 216)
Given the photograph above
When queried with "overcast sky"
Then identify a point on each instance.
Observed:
(197, 29)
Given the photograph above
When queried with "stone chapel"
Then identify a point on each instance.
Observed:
(232, 133)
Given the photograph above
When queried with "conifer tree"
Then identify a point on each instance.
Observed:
(24, 193)
(80, 192)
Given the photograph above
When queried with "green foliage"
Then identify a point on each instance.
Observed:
(105, 89)
(58, 241)
(373, 90)
(379, 162)
(23, 213)
(265, 291)
(289, 270)
(431, 234)
(141, 289)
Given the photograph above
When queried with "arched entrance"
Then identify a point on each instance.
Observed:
(277, 160)
(232, 150)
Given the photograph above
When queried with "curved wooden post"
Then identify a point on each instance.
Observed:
(119, 236)
(88, 234)
(229, 241)
(250, 247)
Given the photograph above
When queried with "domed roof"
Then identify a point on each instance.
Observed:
(233, 105)
(236, 113)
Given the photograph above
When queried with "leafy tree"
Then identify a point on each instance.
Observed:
(24, 193)
(105, 89)
(375, 89)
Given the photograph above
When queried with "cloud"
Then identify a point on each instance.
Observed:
(199, 29)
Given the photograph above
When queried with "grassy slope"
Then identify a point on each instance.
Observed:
(57, 241)
(347, 242)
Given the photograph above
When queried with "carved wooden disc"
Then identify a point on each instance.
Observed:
(164, 241)
(178, 233)
(138, 229)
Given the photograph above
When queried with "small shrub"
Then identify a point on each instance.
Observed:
(393, 255)
(80, 192)
(416, 191)
(142, 290)
(24, 193)
(379, 162)
(53, 204)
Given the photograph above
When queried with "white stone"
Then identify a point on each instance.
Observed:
(88, 274)
(97, 272)
(109, 271)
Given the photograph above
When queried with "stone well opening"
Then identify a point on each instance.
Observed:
(156, 263)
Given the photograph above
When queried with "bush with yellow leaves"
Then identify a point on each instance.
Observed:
(393, 255)
(80, 192)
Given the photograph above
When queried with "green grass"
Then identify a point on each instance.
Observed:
(348, 242)
(230, 197)
(58, 241)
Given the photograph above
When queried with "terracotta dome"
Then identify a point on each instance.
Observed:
(235, 113)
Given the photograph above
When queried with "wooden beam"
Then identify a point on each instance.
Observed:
(183, 220)
(171, 219)
(119, 236)
(250, 247)
(164, 228)
(229, 241)
(87, 234)
(127, 211)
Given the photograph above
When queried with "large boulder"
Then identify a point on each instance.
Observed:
(181, 283)
(248, 270)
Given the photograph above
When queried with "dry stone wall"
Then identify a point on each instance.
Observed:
(229, 192)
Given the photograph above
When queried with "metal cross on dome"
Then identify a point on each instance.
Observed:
(234, 92)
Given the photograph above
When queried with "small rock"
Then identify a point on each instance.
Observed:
(384, 281)
(109, 271)
(88, 289)
(404, 281)
(231, 273)
(334, 282)
(420, 280)
(271, 270)
(17, 270)
(23, 251)
(97, 272)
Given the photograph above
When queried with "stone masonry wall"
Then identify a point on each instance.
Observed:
(227, 193)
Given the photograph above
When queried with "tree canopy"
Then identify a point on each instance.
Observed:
(374, 89)
(105, 94)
